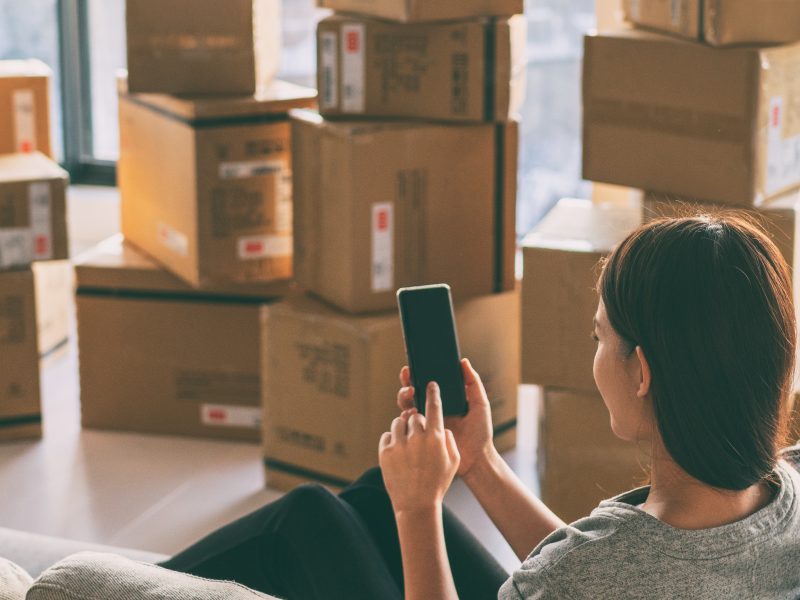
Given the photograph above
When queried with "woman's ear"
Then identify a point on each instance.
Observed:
(644, 370)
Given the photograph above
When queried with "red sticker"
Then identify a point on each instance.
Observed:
(26, 146)
(352, 41)
(776, 116)
(254, 247)
(382, 220)
(217, 415)
(42, 245)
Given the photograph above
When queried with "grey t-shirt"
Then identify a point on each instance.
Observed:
(620, 551)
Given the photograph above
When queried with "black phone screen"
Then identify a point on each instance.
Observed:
(431, 342)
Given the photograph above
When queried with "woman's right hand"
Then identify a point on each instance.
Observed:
(473, 432)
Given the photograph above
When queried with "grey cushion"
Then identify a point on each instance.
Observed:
(35, 552)
(14, 581)
(97, 576)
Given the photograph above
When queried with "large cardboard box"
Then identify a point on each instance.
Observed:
(580, 460)
(25, 107)
(424, 10)
(382, 205)
(202, 46)
(206, 184)
(330, 382)
(561, 262)
(54, 304)
(668, 115)
(157, 356)
(33, 211)
(461, 71)
(20, 408)
(720, 22)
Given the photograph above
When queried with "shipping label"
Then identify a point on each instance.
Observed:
(382, 247)
(783, 153)
(223, 415)
(264, 246)
(24, 112)
(352, 45)
(41, 220)
(172, 239)
(249, 168)
(329, 70)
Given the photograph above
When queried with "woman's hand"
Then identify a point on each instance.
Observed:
(419, 457)
(473, 432)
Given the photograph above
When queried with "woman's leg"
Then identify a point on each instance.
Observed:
(476, 572)
(308, 544)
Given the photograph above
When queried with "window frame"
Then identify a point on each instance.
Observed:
(76, 97)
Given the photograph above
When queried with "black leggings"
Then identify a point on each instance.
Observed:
(312, 544)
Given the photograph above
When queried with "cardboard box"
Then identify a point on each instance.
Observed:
(382, 205)
(157, 356)
(330, 382)
(720, 22)
(25, 107)
(461, 71)
(581, 462)
(196, 47)
(54, 304)
(668, 115)
(33, 211)
(20, 408)
(410, 11)
(559, 297)
(205, 184)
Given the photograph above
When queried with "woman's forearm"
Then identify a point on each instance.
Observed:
(522, 518)
(426, 569)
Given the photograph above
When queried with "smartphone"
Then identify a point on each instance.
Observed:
(429, 332)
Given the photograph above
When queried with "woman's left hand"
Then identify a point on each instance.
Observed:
(419, 457)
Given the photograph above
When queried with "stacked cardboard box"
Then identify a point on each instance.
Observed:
(406, 176)
(25, 107)
(580, 460)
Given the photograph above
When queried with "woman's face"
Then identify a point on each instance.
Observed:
(618, 373)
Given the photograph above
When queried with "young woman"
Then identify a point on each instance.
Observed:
(695, 333)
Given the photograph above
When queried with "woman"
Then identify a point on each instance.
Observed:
(695, 333)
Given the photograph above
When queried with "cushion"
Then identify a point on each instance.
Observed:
(14, 581)
(100, 576)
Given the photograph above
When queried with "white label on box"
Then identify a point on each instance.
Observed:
(172, 239)
(382, 247)
(636, 9)
(353, 68)
(249, 168)
(783, 154)
(264, 246)
(677, 13)
(223, 415)
(329, 70)
(41, 224)
(16, 246)
(24, 108)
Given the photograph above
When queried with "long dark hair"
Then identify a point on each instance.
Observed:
(709, 301)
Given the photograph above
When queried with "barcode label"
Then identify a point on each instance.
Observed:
(24, 109)
(264, 246)
(353, 68)
(382, 247)
(223, 415)
(329, 70)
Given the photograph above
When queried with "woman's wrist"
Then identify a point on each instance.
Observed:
(484, 468)
(419, 511)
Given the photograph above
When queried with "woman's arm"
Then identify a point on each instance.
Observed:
(522, 518)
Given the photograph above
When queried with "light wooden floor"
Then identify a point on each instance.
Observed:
(158, 493)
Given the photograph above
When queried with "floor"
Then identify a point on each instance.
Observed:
(158, 493)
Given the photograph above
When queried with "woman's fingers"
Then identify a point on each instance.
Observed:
(385, 440)
(416, 423)
(405, 398)
(399, 428)
(405, 376)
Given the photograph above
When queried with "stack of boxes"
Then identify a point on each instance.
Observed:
(168, 319)
(702, 113)
(406, 176)
(32, 228)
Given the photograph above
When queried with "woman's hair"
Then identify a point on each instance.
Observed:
(709, 301)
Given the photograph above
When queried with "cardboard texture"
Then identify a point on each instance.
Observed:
(559, 299)
(720, 22)
(196, 47)
(461, 71)
(382, 205)
(330, 382)
(157, 356)
(205, 184)
(54, 304)
(25, 107)
(581, 461)
(20, 408)
(673, 116)
(409, 11)
(33, 211)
